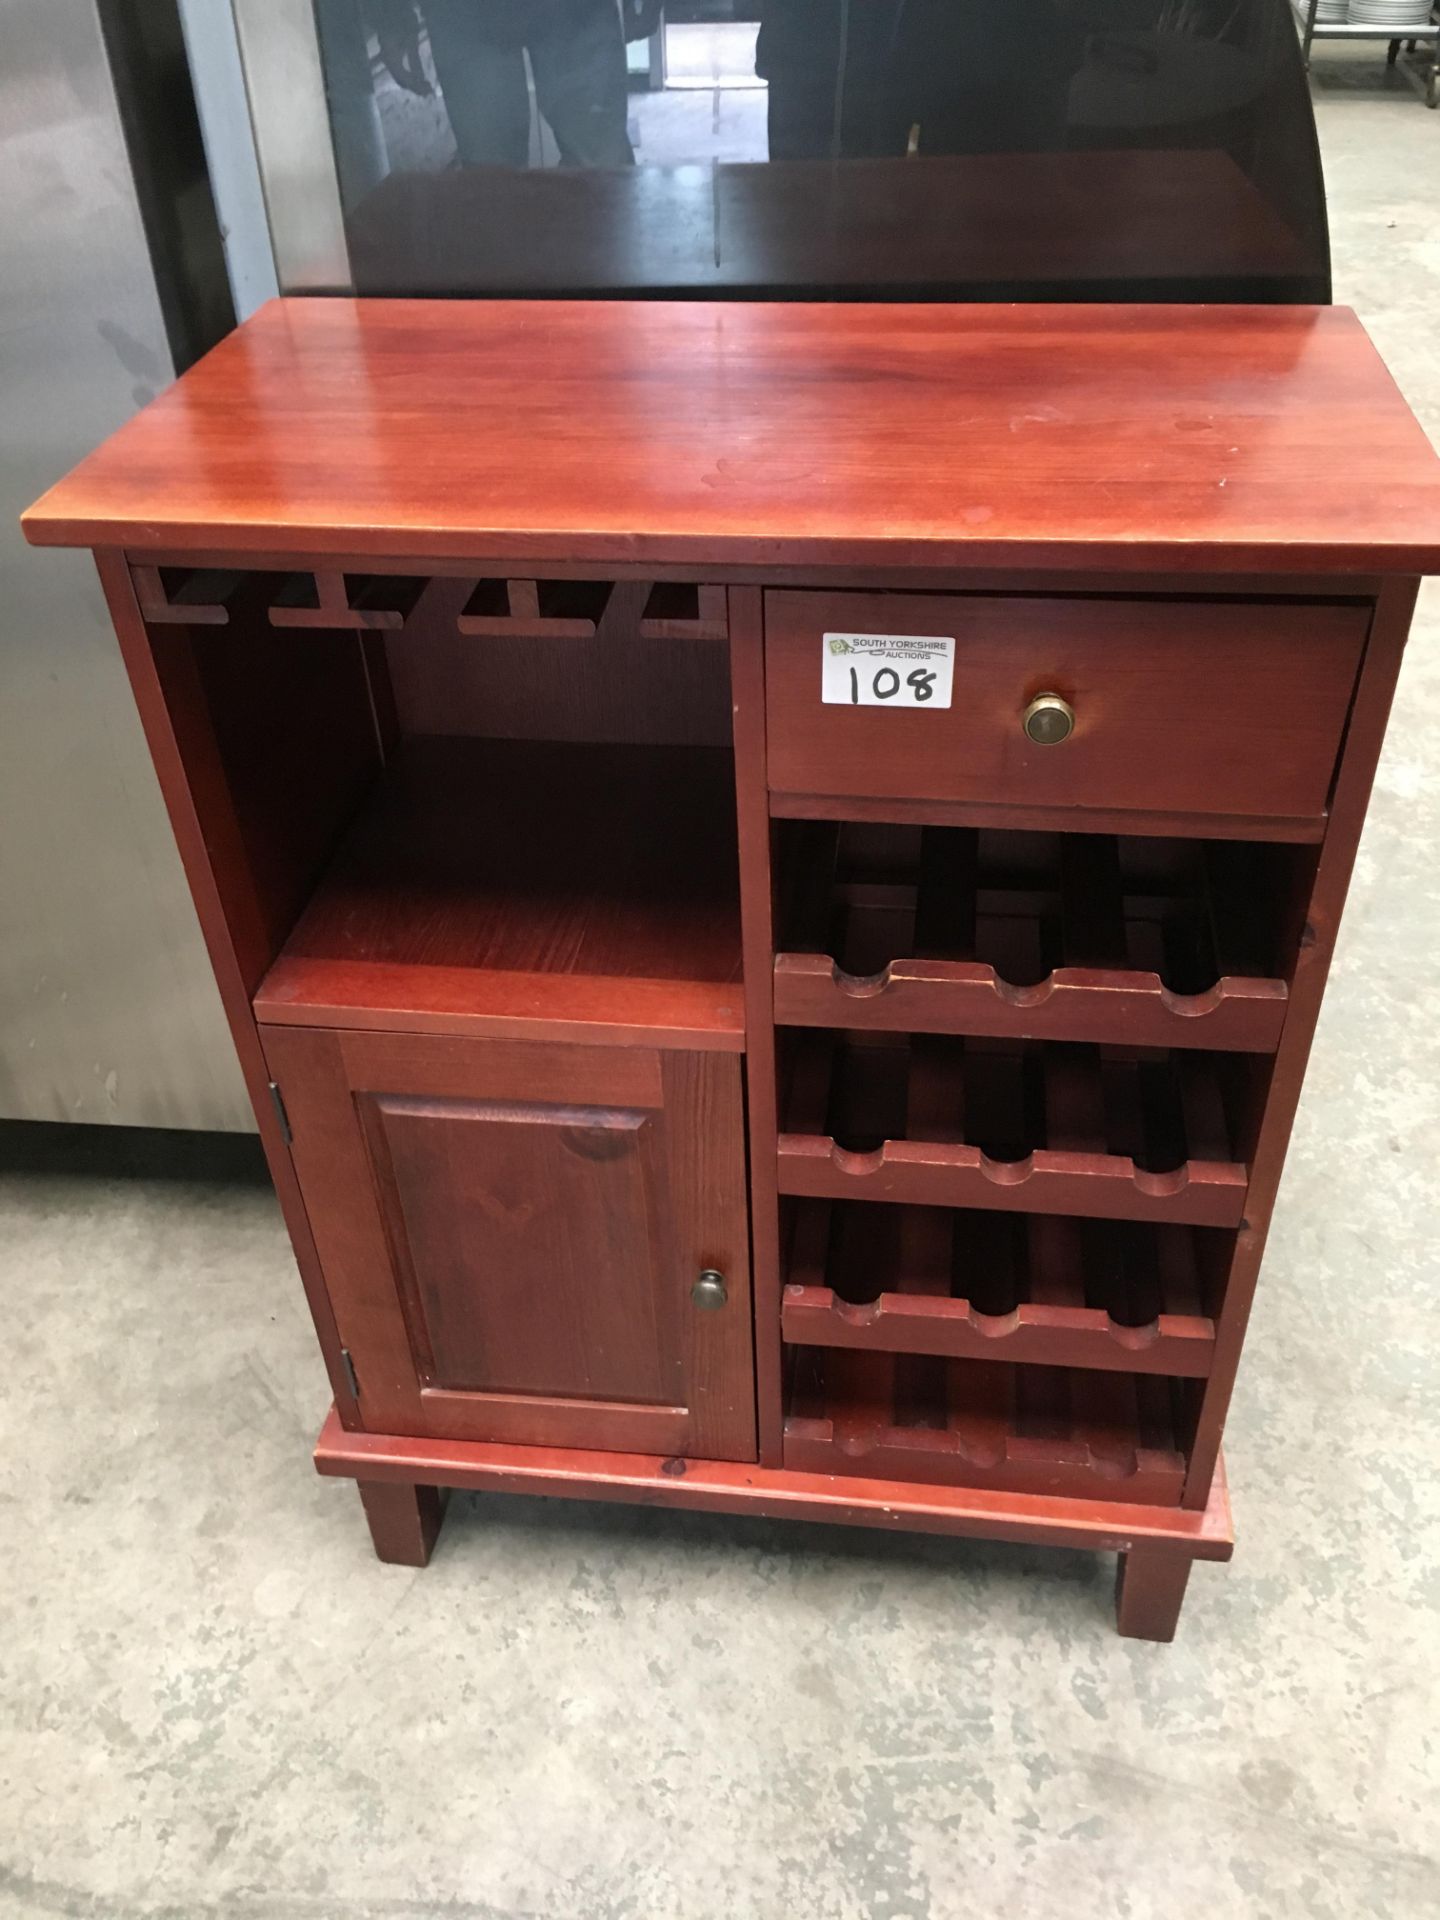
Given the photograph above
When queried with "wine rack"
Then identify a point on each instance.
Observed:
(1020, 1079)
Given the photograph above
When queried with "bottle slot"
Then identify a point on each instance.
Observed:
(1038, 936)
(1036, 1288)
(933, 1120)
(1040, 1430)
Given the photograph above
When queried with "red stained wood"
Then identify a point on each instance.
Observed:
(515, 1230)
(938, 1123)
(712, 1486)
(1047, 819)
(1072, 1003)
(1038, 938)
(498, 1228)
(546, 1285)
(574, 610)
(747, 672)
(594, 672)
(982, 1423)
(279, 745)
(188, 596)
(296, 749)
(404, 1521)
(1364, 738)
(327, 598)
(1045, 1290)
(1150, 1588)
(1256, 730)
(681, 612)
(878, 578)
(334, 598)
(182, 747)
(1177, 1344)
(1125, 437)
(498, 886)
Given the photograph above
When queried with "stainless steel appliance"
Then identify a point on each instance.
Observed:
(108, 1011)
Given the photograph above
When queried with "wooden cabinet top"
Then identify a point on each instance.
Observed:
(745, 436)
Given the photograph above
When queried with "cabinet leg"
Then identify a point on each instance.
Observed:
(1149, 1592)
(404, 1520)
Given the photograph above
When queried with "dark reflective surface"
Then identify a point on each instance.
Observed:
(1118, 149)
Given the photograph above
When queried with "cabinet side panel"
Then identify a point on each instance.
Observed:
(1364, 737)
(295, 737)
(212, 889)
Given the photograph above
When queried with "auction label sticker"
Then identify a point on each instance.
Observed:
(886, 670)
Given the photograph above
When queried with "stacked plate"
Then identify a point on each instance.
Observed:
(1397, 14)
(1332, 13)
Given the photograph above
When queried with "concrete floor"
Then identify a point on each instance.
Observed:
(213, 1701)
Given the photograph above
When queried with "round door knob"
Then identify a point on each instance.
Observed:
(1049, 720)
(709, 1291)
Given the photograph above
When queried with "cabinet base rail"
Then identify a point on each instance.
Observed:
(1156, 1544)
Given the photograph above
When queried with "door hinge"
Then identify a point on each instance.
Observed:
(351, 1378)
(277, 1100)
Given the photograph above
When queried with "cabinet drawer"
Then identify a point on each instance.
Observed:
(1180, 706)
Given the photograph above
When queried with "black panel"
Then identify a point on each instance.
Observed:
(965, 149)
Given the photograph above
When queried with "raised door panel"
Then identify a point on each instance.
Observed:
(535, 1243)
(510, 1233)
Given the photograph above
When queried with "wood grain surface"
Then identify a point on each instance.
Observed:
(984, 1423)
(1180, 705)
(733, 435)
(717, 1486)
(1134, 942)
(1037, 1288)
(1054, 1129)
(502, 886)
(512, 1231)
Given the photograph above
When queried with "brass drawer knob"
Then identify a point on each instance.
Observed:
(1049, 720)
(709, 1291)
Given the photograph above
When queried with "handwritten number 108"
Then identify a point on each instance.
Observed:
(887, 683)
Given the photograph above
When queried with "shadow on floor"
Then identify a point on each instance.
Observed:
(139, 1153)
(477, 1524)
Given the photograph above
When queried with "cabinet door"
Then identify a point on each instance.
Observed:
(510, 1234)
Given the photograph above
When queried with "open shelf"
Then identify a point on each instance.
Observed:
(1046, 1128)
(1035, 1288)
(1112, 1436)
(518, 887)
(1140, 942)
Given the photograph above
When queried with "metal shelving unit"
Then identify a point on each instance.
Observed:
(1425, 79)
